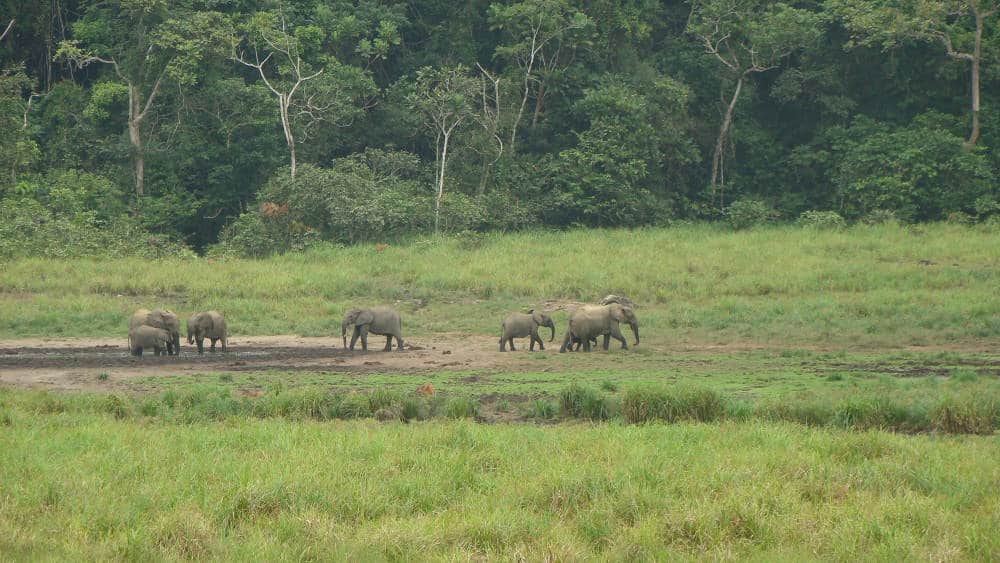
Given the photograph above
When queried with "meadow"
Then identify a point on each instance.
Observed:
(798, 394)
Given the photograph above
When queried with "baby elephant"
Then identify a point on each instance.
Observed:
(376, 320)
(148, 338)
(207, 324)
(519, 325)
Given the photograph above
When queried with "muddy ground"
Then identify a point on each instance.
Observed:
(75, 363)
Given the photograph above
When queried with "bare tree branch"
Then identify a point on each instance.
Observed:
(6, 31)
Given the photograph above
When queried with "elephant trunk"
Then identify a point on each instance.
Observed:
(343, 332)
(552, 326)
(635, 330)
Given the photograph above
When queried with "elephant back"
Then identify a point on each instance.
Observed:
(139, 317)
(386, 319)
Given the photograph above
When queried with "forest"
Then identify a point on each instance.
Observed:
(154, 127)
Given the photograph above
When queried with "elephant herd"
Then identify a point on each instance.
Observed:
(159, 330)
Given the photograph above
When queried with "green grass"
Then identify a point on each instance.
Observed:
(79, 485)
(865, 286)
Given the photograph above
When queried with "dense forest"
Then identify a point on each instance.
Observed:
(151, 126)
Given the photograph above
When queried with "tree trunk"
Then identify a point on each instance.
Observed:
(286, 127)
(720, 143)
(539, 103)
(440, 190)
(135, 136)
(976, 57)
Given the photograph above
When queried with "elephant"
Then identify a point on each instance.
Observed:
(578, 343)
(519, 325)
(207, 324)
(160, 318)
(590, 321)
(376, 320)
(145, 337)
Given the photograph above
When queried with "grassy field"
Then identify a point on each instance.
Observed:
(868, 286)
(85, 486)
(798, 395)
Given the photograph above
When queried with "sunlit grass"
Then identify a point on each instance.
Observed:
(881, 285)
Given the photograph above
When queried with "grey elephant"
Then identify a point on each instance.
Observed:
(144, 337)
(207, 324)
(160, 318)
(519, 325)
(590, 321)
(376, 320)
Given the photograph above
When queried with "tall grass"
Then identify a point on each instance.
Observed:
(83, 485)
(869, 283)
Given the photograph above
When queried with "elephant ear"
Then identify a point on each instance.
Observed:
(537, 316)
(364, 317)
(617, 312)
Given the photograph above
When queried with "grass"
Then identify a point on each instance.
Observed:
(865, 286)
(81, 485)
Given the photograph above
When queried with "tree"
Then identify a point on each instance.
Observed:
(444, 97)
(7, 29)
(747, 37)
(333, 100)
(876, 22)
(541, 37)
(143, 45)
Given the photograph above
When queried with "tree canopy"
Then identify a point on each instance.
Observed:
(272, 124)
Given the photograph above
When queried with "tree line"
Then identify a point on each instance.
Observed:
(269, 125)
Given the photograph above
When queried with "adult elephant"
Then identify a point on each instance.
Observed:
(383, 321)
(590, 321)
(519, 325)
(207, 324)
(160, 318)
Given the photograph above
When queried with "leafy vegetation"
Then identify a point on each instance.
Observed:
(265, 129)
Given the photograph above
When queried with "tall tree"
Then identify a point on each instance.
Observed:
(445, 97)
(747, 37)
(144, 42)
(541, 37)
(278, 54)
(948, 22)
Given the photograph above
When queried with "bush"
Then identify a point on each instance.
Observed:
(826, 220)
(881, 413)
(354, 405)
(462, 407)
(578, 401)
(642, 404)
(541, 409)
(966, 414)
(746, 213)
(879, 217)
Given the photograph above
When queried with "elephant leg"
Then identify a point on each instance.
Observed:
(399, 343)
(213, 344)
(137, 351)
(586, 344)
(225, 343)
(388, 343)
(567, 342)
(531, 341)
(607, 341)
(200, 341)
(617, 334)
(503, 343)
(511, 341)
(363, 332)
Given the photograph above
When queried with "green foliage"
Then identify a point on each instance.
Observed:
(826, 220)
(920, 172)
(746, 213)
(671, 404)
(579, 401)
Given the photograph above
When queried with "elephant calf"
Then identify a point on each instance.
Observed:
(207, 324)
(144, 337)
(519, 325)
(590, 321)
(159, 318)
(376, 320)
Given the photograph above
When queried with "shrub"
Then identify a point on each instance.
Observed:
(541, 409)
(879, 217)
(826, 220)
(641, 404)
(385, 398)
(864, 413)
(578, 401)
(966, 414)
(462, 407)
(746, 213)
(354, 405)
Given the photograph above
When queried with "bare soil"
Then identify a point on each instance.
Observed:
(74, 363)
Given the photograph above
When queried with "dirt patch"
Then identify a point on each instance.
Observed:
(82, 363)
